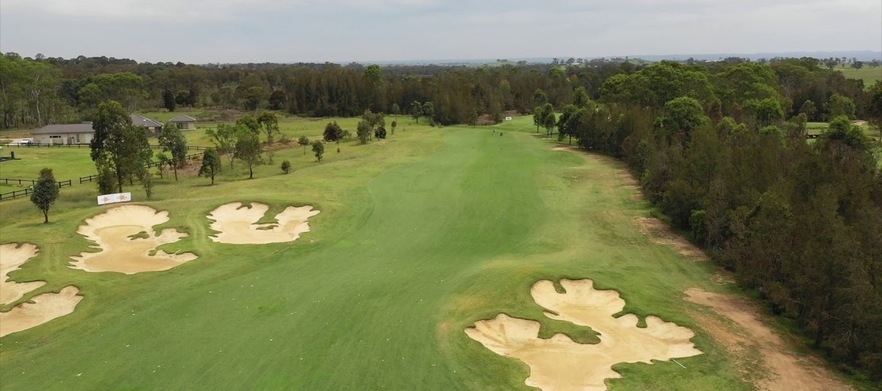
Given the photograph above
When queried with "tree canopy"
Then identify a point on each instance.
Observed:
(45, 192)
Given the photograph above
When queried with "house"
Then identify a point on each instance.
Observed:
(82, 133)
(153, 127)
(184, 122)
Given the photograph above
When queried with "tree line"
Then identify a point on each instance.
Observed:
(34, 92)
(725, 157)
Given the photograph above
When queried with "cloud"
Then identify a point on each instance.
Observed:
(343, 30)
(202, 10)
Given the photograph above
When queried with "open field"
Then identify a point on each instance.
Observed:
(420, 236)
(868, 74)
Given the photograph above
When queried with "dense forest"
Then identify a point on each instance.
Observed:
(719, 147)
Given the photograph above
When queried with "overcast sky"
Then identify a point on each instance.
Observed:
(210, 31)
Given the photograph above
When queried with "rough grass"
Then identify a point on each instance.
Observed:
(866, 73)
(419, 236)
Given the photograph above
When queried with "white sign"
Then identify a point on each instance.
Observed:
(114, 198)
(508, 118)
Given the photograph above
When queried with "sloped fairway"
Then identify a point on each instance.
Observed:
(419, 237)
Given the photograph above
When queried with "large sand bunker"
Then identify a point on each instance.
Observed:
(746, 332)
(237, 224)
(44, 308)
(559, 363)
(12, 256)
(128, 243)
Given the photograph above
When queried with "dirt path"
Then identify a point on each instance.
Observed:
(660, 233)
(788, 371)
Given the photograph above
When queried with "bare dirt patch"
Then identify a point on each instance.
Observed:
(660, 233)
(559, 363)
(128, 242)
(237, 224)
(41, 309)
(788, 370)
(13, 255)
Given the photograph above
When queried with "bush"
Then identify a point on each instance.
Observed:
(286, 166)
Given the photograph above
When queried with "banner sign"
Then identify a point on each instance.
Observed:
(114, 198)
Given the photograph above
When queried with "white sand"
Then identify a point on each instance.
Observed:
(44, 308)
(111, 232)
(13, 255)
(237, 224)
(559, 363)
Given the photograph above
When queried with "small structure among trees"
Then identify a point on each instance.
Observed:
(184, 122)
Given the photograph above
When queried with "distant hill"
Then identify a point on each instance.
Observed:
(861, 55)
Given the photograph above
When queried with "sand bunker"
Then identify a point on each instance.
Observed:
(44, 308)
(559, 363)
(789, 369)
(237, 224)
(12, 256)
(128, 243)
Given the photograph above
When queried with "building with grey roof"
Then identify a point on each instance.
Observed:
(184, 122)
(82, 133)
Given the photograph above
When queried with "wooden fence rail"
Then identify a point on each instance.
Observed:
(83, 179)
(28, 190)
(87, 145)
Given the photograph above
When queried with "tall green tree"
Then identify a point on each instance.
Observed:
(764, 112)
(211, 164)
(581, 97)
(680, 118)
(249, 150)
(416, 111)
(250, 122)
(168, 100)
(429, 111)
(548, 122)
(270, 125)
(111, 119)
(277, 100)
(225, 137)
(318, 148)
(172, 139)
(538, 119)
(539, 97)
(363, 131)
(45, 192)
(119, 147)
(303, 141)
(838, 105)
(333, 132)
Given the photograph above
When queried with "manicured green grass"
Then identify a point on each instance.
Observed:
(419, 236)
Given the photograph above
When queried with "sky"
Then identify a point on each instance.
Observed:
(288, 31)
